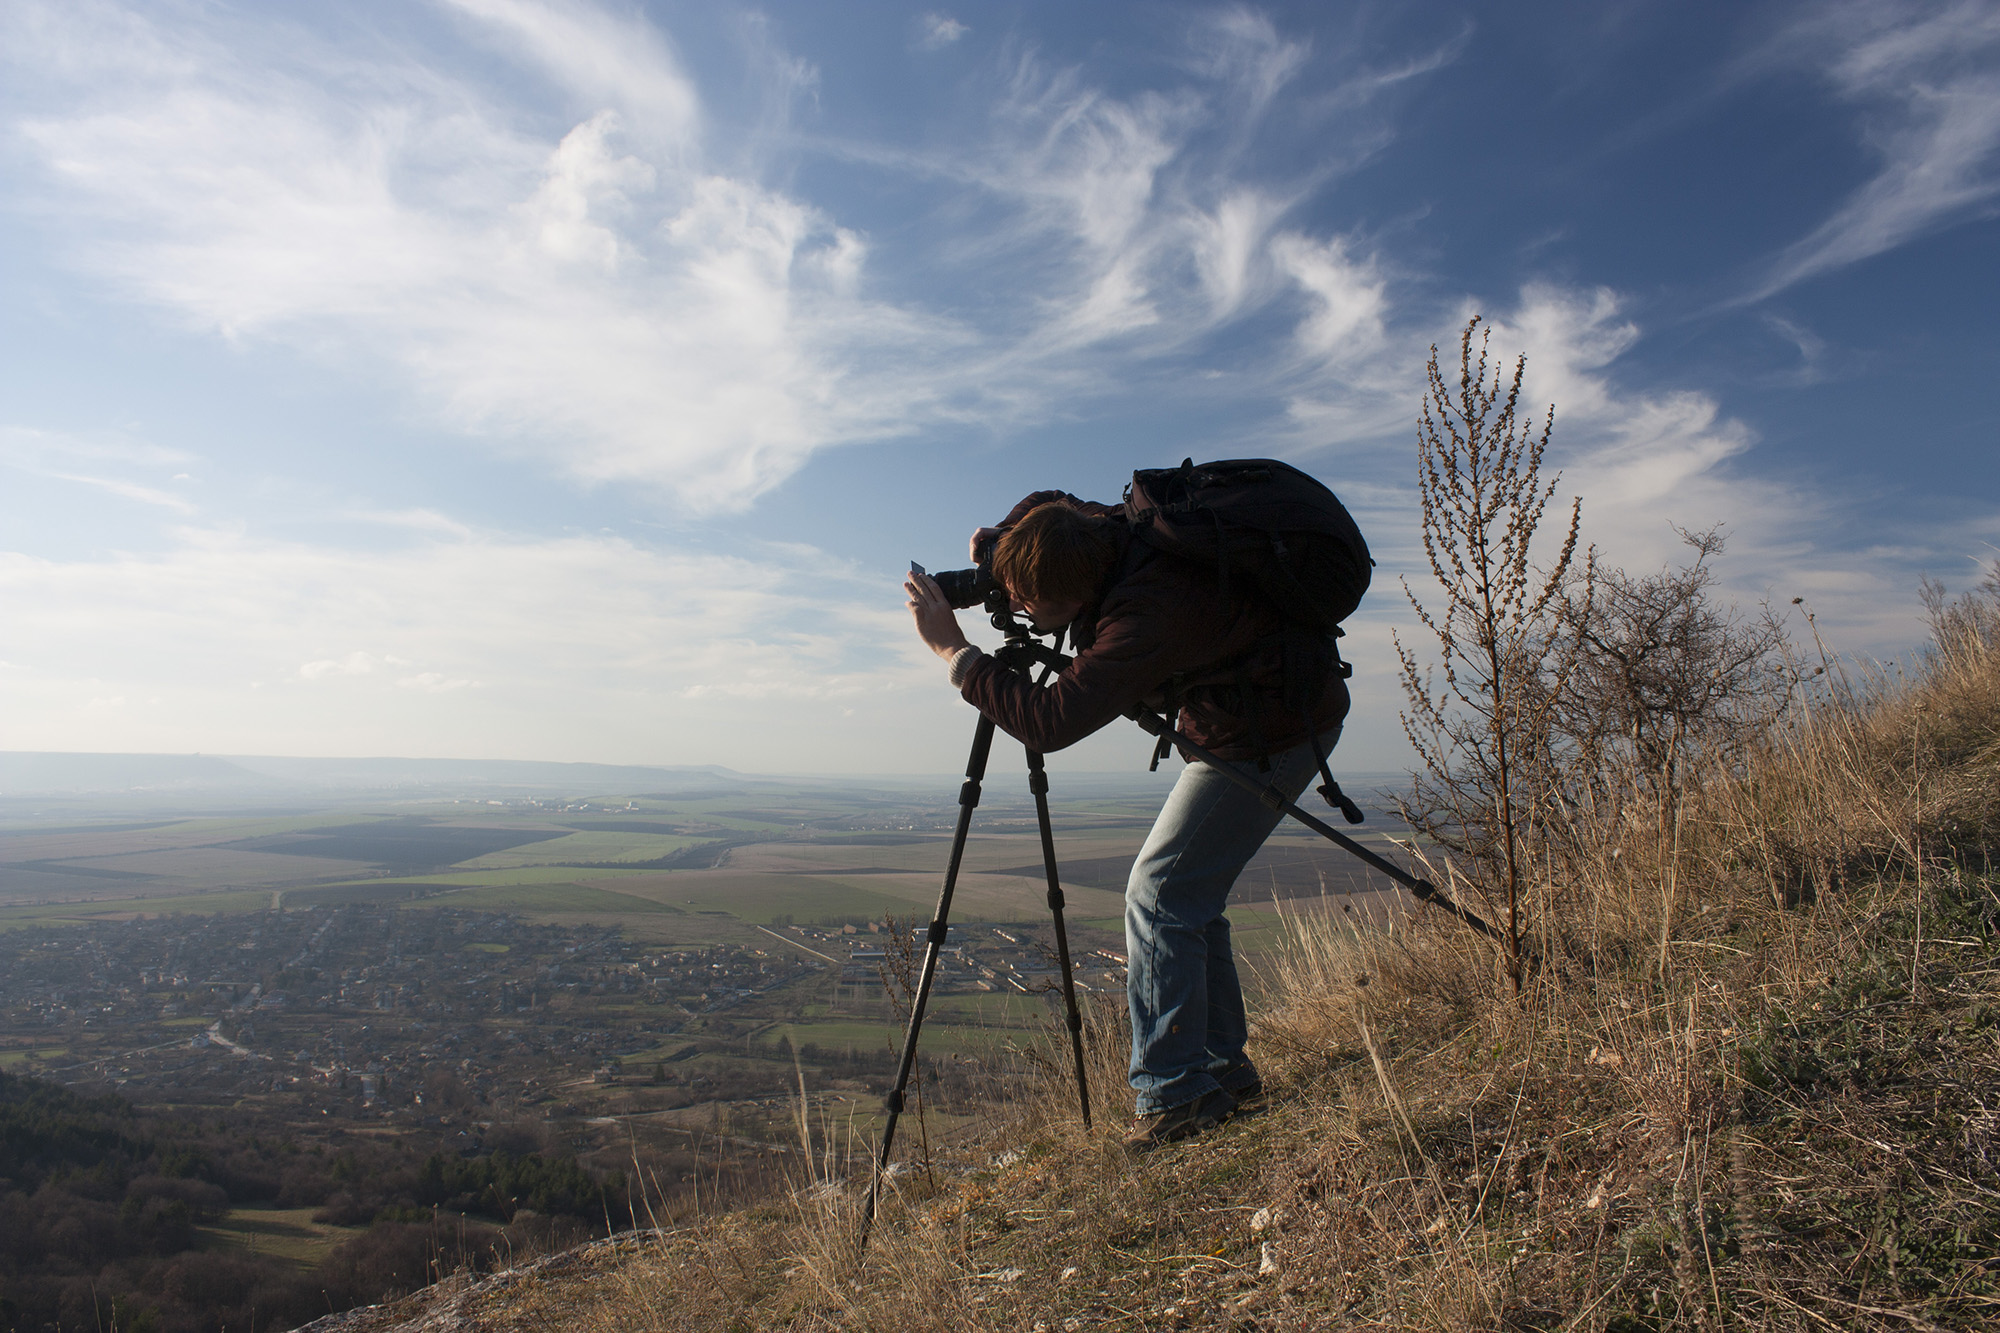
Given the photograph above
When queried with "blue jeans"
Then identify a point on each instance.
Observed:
(1188, 1024)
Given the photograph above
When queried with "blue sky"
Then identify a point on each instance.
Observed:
(515, 378)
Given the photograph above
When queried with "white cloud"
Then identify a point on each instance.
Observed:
(585, 648)
(356, 663)
(1243, 49)
(1346, 299)
(611, 298)
(937, 31)
(1923, 79)
(54, 455)
(608, 299)
(602, 58)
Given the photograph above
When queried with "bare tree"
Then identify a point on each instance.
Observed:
(1661, 675)
(1483, 733)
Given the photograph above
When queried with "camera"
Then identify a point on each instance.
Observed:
(976, 586)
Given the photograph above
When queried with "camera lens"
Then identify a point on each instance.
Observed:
(965, 587)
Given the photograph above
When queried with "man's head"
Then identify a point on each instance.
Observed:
(1054, 561)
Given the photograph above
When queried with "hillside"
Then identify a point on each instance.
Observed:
(1753, 1082)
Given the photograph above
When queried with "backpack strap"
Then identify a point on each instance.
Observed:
(1310, 660)
(1171, 708)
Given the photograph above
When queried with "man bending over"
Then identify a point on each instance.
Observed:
(1151, 629)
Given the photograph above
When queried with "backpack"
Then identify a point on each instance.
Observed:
(1263, 523)
(1266, 524)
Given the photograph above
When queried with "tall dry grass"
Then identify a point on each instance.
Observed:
(1752, 1081)
(1757, 1055)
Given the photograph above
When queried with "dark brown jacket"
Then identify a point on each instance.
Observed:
(1160, 624)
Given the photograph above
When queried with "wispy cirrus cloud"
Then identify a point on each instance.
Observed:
(63, 457)
(608, 299)
(611, 298)
(1925, 82)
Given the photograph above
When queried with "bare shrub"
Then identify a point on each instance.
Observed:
(1662, 676)
(1482, 734)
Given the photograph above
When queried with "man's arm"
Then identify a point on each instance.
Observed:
(1129, 660)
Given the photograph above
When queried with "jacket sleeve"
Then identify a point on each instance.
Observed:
(1130, 659)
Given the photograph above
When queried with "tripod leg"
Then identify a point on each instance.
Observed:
(1038, 783)
(968, 797)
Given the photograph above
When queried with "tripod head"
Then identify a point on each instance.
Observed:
(1022, 651)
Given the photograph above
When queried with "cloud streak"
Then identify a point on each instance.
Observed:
(1923, 80)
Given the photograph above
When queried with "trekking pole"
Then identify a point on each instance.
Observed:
(1424, 891)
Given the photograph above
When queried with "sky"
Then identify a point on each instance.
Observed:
(548, 379)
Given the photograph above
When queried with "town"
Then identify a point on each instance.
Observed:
(447, 1019)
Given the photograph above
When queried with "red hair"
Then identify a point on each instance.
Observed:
(1056, 553)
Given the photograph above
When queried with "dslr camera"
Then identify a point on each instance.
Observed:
(973, 587)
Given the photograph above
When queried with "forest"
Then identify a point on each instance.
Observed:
(109, 1214)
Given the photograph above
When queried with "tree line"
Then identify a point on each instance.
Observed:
(103, 1205)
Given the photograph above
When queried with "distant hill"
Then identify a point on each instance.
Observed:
(33, 773)
(45, 773)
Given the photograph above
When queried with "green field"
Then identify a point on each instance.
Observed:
(118, 909)
(504, 878)
(583, 847)
(14, 1059)
(543, 900)
(284, 1233)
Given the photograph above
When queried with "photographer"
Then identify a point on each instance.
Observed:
(1151, 629)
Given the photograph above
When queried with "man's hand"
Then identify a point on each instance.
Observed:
(937, 624)
(979, 538)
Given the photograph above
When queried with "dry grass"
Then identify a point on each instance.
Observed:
(1754, 1082)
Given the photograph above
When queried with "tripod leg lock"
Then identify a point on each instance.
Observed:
(893, 1103)
(939, 929)
(969, 793)
(1075, 1021)
(1273, 798)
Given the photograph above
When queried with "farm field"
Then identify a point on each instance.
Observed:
(674, 870)
(284, 1233)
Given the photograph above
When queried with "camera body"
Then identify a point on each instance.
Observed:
(963, 588)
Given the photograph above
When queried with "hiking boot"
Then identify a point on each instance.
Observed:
(1179, 1122)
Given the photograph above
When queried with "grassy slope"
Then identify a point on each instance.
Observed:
(1754, 1084)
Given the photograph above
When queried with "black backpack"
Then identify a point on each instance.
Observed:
(1261, 522)
(1268, 525)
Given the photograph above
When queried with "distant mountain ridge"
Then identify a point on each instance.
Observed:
(52, 773)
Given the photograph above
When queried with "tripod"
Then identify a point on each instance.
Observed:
(1020, 653)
